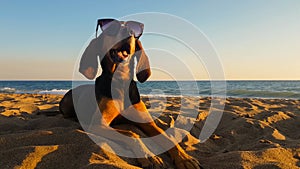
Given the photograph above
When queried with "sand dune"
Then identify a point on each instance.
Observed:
(253, 133)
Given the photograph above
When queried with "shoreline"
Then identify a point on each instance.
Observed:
(169, 96)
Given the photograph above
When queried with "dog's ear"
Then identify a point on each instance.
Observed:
(143, 71)
(89, 60)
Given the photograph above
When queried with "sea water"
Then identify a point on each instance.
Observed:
(242, 89)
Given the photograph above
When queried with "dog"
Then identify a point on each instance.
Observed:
(116, 92)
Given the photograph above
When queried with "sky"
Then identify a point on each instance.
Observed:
(254, 39)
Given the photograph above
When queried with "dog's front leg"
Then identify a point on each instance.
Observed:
(109, 111)
(133, 142)
(139, 113)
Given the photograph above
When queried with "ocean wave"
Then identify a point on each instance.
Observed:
(169, 95)
(53, 91)
(7, 90)
(263, 94)
(10, 90)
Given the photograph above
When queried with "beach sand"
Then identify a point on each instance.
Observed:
(253, 133)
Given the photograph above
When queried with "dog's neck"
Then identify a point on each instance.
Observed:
(118, 71)
(124, 72)
(118, 78)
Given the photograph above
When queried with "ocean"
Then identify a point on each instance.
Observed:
(241, 89)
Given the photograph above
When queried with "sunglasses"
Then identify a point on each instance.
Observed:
(112, 26)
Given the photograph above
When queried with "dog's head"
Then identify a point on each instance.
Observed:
(118, 43)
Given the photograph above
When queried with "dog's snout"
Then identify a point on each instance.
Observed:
(126, 32)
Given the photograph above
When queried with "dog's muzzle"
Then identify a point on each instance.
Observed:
(120, 54)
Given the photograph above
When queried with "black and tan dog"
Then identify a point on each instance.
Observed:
(115, 90)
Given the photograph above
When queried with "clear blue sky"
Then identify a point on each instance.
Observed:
(255, 39)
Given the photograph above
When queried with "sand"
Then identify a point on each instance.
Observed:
(253, 133)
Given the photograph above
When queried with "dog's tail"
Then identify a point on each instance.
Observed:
(66, 106)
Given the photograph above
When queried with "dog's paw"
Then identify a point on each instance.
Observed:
(154, 162)
(184, 161)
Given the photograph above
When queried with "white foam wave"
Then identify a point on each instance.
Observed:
(54, 91)
(7, 90)
(168, 95)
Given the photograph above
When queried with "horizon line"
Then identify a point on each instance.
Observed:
(157, 80)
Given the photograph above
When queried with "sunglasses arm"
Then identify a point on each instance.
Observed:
(97, 27)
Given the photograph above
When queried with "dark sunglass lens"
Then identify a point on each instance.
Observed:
(136, 27)
(105, 23)
(110, 26)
